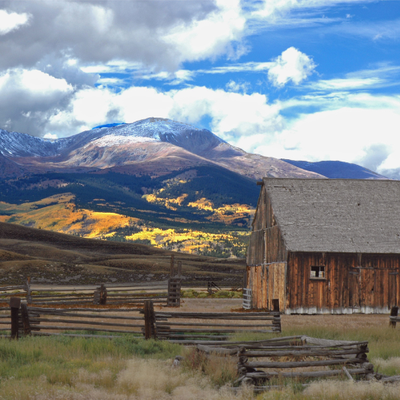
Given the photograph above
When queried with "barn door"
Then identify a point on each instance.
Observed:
(354, 287)
(367, 287)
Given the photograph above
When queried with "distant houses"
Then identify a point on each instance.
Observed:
(325, 246)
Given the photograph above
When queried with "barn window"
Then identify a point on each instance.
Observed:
(317, 272)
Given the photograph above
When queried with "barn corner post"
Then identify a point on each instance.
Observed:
(174, 284)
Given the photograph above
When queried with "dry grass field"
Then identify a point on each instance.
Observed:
(127, 368)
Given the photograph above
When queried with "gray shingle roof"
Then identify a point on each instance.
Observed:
(335, 215)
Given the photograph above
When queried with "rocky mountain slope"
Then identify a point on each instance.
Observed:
(153, 146)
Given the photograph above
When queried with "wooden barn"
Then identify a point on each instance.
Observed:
(325, 246)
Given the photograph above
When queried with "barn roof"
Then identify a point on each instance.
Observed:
(336, 215)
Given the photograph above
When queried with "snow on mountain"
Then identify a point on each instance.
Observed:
(117, 140)
(179, 134)
(15, 144)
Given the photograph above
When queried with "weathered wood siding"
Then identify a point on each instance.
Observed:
(266, 243)
(352, 283)
(268, 282)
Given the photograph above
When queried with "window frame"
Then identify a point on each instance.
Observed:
(320, 271)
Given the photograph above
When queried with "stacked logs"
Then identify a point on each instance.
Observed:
(303, 358)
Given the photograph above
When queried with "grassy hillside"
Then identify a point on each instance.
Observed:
(54, 257)
(204, 210)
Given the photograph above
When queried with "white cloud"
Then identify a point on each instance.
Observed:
(234, 116)
(271, 10)
(151, 33)
(10, 21)
(233, 86)
(358, 128)
(51, 136)
(347, 84)
(29, 97)
(212, 36)
(291, 65)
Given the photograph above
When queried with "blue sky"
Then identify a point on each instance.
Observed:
(299, 79)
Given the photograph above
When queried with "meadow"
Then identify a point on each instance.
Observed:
(131, 368)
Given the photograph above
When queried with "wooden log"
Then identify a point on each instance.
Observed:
(61, 295)
(73, 321)
(249, 327)
(16, 287)
(185, 338)
(302, 353)
(77, 328)
(75, 335)
(391, 379)
(94, 310)
(329, 342)
(311, 374)
(302, 364)
(218, 330)
(68, 314)
(212, 316)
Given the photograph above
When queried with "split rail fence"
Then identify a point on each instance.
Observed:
(267, 362)
(195, 327)
(167, 292)
(159, 292)
(187, 328)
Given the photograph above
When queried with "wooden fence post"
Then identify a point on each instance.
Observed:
(25, 319)
(28, 290)
(149, 320)
(100, 295)
(174, 292)
(103, 295)
(15, 303)
(174, 285)
(394, 312)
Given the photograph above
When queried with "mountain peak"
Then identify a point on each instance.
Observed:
(180, 134)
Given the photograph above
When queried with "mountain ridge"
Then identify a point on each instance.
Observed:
(138, 147)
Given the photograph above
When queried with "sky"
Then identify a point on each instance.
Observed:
(297, 79)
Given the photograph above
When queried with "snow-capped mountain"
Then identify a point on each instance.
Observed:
(153, 146)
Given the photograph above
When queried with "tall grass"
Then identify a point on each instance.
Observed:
(126, 368)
